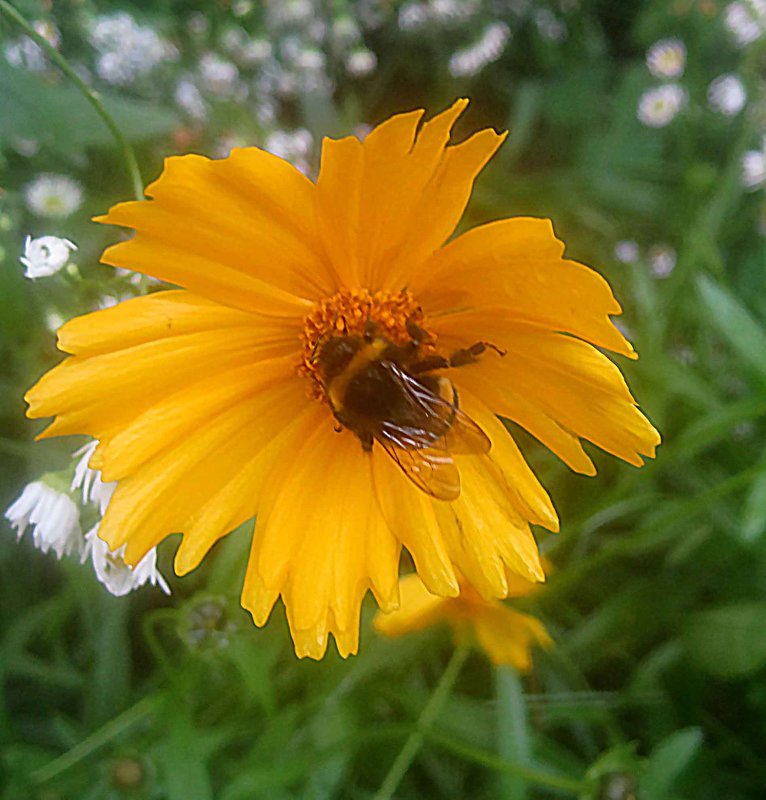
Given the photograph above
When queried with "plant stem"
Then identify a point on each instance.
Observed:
(92, 96)
(491, 761)
(415, 741)
(88, 745)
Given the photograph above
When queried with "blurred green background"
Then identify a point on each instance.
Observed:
(657, 602)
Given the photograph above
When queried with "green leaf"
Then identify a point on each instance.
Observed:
(735, 323)
(667, 763)
(729, 641)
(60, 119)
(753, 521)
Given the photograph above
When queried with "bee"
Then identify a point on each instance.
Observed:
(391, 394)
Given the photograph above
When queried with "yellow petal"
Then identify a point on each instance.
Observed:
(160, 316)
(387, 203)
(526, 412)
(313, 540)
(240, 230)
(165, 494)
(513, 272)
(525, 493)
(575, 385)
(508, 636)
(418, 609)
(410, 515)
(484, 534)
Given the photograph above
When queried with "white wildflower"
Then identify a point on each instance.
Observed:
(291, 12)
(220, 77)
(25, 146)
(626, 251)
(345, 31)
(662, 258)
(412, 16)
(54, 517)
(114, 573)
(488, 48)
(666, 58)
(549, 26)
(45, 255)
(727, 95)
(658, 106)
(746, 20)
(226, 143)
(255, 51)
(88, 481)
(754, 168)
(53, 321)
(294, 146)
(189, 98)
(50, 195)
(361, 62)
(25, 52)
(127, 50)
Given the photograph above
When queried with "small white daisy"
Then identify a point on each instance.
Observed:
(662, 258)
(189, 98)
(127, 50)
(294, 146)
(657, 107)
(361, 62)
(53, 196)
(754, 168)
(727, 95)
(54, 517)
(112, 571)
(746, 20)
(45, 255)
(471, 60)
(666, 58)
(88, 481)
(626, 251)
(220, 77)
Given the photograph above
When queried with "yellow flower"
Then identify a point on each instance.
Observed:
(220, 400)
(505, 635)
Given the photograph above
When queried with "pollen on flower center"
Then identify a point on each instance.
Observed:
(347, 313)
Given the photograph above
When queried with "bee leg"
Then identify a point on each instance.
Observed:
(416, 333)
(366, 439)
(429, 364)
(370, 329)
(470, 355)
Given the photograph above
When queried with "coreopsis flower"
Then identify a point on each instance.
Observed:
(45, 255)
(114, 573)
(333, 367)
(54, 517)
(505, 635)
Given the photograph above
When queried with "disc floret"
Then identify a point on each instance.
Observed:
(349, 313)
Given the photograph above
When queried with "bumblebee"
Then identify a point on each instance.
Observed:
(390, 394)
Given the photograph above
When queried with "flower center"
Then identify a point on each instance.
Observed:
(349, 313)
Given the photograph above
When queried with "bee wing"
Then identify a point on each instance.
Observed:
(462, 435)
(424, 452)
(430, 468)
